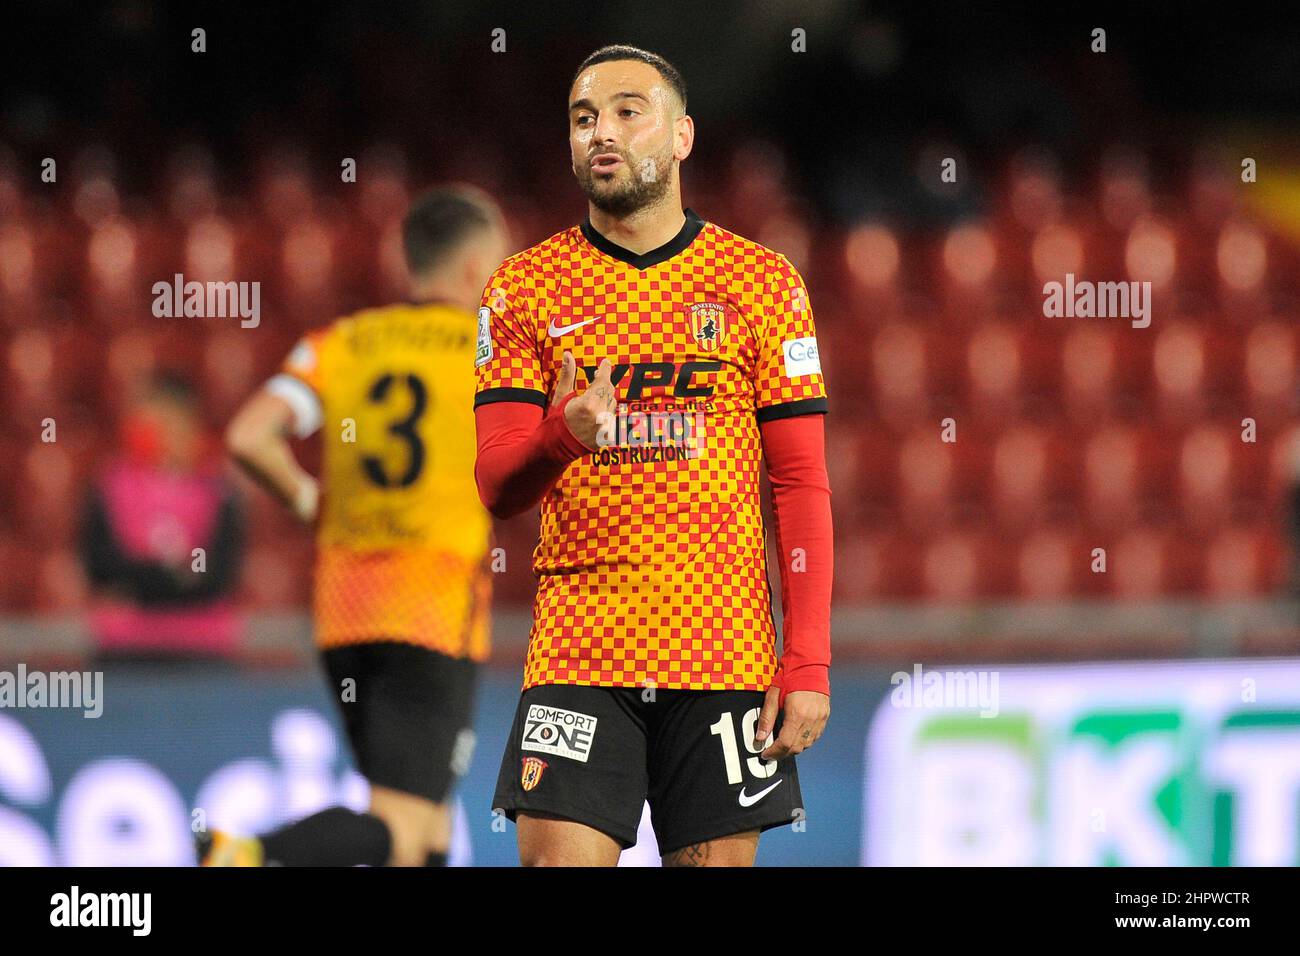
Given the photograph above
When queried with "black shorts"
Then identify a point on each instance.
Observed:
(409, 715)
(597, 754)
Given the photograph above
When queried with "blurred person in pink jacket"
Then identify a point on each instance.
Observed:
(162, 536)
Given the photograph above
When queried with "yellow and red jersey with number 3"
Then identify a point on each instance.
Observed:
(651, 561)
(403, 538)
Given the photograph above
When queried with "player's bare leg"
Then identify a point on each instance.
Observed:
(735, 850)
(418, 826)
(553, 841)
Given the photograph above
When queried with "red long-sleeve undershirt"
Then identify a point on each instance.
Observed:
(522, 453)
(795, 450)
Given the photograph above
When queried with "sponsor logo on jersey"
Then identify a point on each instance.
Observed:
(563, 733)
(643, 377)
(801, 357)
(532, 773)
(483, 353)
(708, 324)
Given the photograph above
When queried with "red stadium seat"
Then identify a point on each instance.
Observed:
(952, 570)
(61, 584)
(1271, 366)
(1049, 565)
(878, 477)
(873, 257)
(926, 465)
(1089, 364)
(994, 363)
(1241, 260)
(1151, 253)
(47, 499)
(1124, 190)
(1243, 563)
(1178, 367)
(969, 255)
(898, 363)
(19, 573)
(1205, 475)
(1283, 464)
(18, 282)
(1057, 249)
(862, 566)
(210, 250)
(230, 371)
(1021, 475)
(1138, 565)
(1112, 478)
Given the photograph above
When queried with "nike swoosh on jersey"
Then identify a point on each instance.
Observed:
(555, 331)
(747, 801)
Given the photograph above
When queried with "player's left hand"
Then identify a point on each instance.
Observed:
(806, 713)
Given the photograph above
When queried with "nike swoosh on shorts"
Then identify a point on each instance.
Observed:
(747, 801)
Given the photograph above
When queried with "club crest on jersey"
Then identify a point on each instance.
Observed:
(708, 324)
(532, 775)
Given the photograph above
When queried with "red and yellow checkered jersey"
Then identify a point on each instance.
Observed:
(403, 539)
(651, 560)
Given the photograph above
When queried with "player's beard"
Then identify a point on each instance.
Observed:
(634, 192)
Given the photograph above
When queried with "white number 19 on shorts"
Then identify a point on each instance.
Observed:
(726, 729)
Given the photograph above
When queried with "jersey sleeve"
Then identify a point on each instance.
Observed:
(788, 375)
(300, 382)
(507, 358)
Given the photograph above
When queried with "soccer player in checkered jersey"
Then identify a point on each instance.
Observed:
(633, 372)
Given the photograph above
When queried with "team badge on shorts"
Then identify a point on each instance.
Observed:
(708, 324)
(532, 775)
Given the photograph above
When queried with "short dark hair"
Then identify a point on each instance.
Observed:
(440, 220)
(623, 51)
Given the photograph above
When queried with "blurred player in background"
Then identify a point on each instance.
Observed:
(402, 590)
(652, 670)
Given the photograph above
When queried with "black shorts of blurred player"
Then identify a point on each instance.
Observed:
(581, 762)
(408, 713)
(410, 724)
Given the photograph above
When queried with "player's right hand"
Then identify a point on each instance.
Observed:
(593, 410)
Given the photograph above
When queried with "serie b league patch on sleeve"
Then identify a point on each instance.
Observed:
(483, 353)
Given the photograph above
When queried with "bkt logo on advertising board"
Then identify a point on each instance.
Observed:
(1152, 764)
